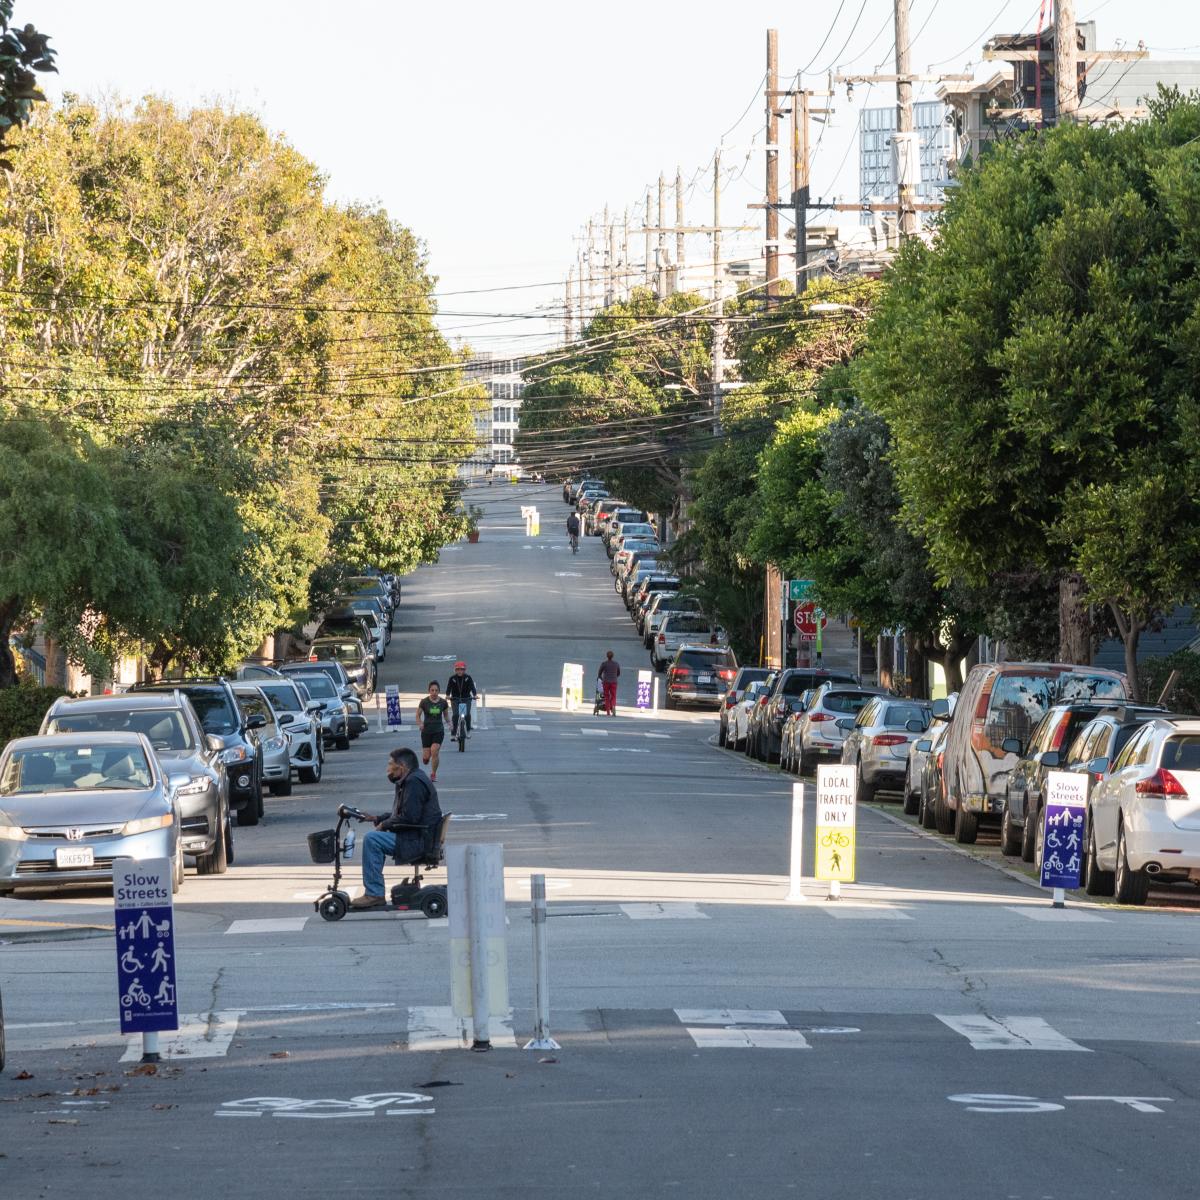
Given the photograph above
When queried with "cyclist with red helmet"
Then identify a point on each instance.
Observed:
(460, 688)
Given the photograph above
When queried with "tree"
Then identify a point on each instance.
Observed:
(22, 52)
(1039, 347)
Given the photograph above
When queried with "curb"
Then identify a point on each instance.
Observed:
(15, 930)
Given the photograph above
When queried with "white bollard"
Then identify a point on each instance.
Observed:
(1060, 898)
(380, 709)
(541, 1039)
(481, 1000)
(150, 1052)
(481, 712)
(796, 868)
(835, 890)
(656, 693)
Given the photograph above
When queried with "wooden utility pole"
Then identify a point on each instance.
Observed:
(908, 156)
(800, 185)
(660, 261)
(606, 249)
(570, 328)
(679, 235)
(718, 328)
(771, 183)
(1066, 67)
(626, 279)
(646, 227)
(590, 262)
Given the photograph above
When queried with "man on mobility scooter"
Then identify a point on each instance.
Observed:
(400, 833)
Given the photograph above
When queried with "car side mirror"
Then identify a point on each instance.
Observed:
(175, 782)
(1097, 766)
(1051, 759)
(1011, 745)
(286, 718)
(214, 743)
(924, 746)
(845, 724)
(257, 721)
(314, 706)
(914, 726)
(941, 710)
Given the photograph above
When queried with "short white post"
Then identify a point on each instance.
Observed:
(541, 1039)
(1060, 898)
(564, 700)
(380, 709)
(150, 1052)
(835, 889)
(481, 1000)
(481, 712)
(656, 693)
(796, 867)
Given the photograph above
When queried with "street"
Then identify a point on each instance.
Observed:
(716, 1040)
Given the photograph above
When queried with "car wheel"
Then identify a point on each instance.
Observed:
(1131, 887)
(342, 742)
(1029, 835)
(1010, 836)
(804, 765)
(866, 791)
(217, 859)
(966, 826)
(925, 812)
(229, 845)
(248, 813)
(668, 701)
(177, 868)
(943, 816)
(282, 789)
(911, 800)
(1098, 882)
(311, 774)
(722, 736)
(258, 799)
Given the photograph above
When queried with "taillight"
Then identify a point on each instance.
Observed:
(1161, 783)
(940, 756)
(888, 739)
(662, 637)
(817, 717)
(680, 671)
(725, 673)
(1060, 732)
(764, 700)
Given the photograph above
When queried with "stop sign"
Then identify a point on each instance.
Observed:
(806, 619)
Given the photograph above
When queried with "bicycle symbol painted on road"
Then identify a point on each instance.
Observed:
(390, 1104)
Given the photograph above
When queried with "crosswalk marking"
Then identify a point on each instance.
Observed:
(663, 912)
(527, 728)
(1048, 913)
(1009, 1033)
(730, 1016)
(658, 735)
(595, 732)
(864, 912)
(274, 925)
(435, 1027)
(200, 1035)
(709, 1037)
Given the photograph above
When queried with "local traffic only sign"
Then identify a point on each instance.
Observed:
(836, 823)
(1062, 832)
(145, 925)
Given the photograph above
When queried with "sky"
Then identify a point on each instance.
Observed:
(495, 131)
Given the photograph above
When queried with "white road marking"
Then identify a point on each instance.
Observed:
(730, 1016)
(616, 749)
(595, 732)
(479, 816)
(1009, 1033)
(435, 1027)
(663, 912)
(272, 925)
(658, 735)
(528, 728)
(864, 912)
(713, 1038)
(1048, 913)
(200, 1035)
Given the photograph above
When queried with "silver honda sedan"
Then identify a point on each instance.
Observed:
(877, 741)
(71, 803)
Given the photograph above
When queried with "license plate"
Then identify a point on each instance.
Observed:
(704, 679)
(75, 856)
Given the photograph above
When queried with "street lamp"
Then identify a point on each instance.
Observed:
(826, 306)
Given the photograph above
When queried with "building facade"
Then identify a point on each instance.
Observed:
(876, 166)
(496, 424)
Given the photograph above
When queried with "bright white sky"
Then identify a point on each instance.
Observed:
(495, 130)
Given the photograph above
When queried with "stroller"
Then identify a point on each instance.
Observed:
(598, 703)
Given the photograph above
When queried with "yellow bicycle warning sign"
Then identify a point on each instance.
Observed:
(835, 823)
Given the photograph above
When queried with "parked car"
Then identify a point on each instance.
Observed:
(811, 732)
(612, 518)
(344, 622)
(331, 703)
(1143, 823)
(918, 753)
(372, 585)
(787, 688)
(630, 531)
(641, 566)
(70, 803)
(660, 606)
(356, 722)
(679, 628)
(742, 710)
(877, 741)
(220, 716)
(1000, 701)
(271, 736)
(629, 546)
(650, 587)
(357, 661)
(699, 674)
(171, 726)
(298, 713)
(571, 487)
(1046, 751)
(370, 608)
(929, 789)
(726, 719)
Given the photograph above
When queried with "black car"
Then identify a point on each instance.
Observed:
(346, 623)
(789, 686)
(222, 718)
(699, 675)
(733, 693)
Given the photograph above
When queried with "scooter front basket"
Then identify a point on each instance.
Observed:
(322, 846)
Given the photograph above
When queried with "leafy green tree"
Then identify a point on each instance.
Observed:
(22, 52)
(1038, 360)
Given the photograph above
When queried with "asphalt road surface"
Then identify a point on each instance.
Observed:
(940, 1031)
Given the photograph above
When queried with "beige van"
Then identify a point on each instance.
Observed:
(1001, 701)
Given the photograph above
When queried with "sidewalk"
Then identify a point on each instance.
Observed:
(49, 920)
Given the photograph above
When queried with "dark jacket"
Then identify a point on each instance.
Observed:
(460, 687)
(416, 804)
(573, 524)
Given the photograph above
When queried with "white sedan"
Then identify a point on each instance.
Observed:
(739, 714)
(1144, 816)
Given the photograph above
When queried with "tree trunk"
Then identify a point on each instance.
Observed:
(1074, 627)
(9, 611)
(916, 668)
(952, 657)
(1130, 629)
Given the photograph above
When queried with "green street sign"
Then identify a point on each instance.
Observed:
(798, 589)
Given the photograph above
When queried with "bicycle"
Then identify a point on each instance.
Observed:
(461, 715)
(574, 538)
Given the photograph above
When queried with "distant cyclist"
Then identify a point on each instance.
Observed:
(460, 688)
(573, 532)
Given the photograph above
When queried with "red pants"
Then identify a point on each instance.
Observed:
(610, 698)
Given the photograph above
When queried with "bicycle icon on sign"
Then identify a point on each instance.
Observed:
(136, 995)
(833, 838)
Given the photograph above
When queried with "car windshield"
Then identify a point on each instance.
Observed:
(321, 686)
(283, 696)
(851, 703)
(338, 651)
(1088, 687)
(1181, 753)
(703, 660)
(897, 716)
(688, 623)
(214, 710)
(164, 727)
(797, 684)
(637, 529)
(77, 767)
